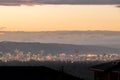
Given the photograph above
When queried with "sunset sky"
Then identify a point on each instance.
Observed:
(59, 17)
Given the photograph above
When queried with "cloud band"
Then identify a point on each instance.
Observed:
(38, 2)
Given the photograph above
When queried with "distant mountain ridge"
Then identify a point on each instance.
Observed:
(52, 48)
(102, 38)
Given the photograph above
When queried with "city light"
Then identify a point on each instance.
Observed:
(23, 57)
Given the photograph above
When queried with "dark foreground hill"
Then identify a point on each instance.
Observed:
(77, 69)
(34, 73)
(52, 48)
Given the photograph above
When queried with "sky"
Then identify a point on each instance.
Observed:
(54, 15)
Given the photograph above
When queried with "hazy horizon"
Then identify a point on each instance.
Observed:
(65, 31)
(58, 21)
(109, 38)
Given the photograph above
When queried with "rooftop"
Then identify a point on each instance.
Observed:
(113, 66)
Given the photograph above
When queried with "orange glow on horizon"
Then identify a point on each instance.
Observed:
(60, 17)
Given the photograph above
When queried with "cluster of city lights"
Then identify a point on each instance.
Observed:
(40, 56)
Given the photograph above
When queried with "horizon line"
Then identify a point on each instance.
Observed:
(65, 30)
